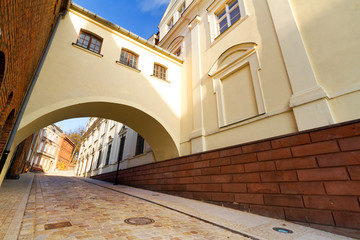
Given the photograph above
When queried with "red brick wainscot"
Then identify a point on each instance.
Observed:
(311, 177)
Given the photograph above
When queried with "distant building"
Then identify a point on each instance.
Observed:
(51, 149)
(66, 149)
(47, 149)
(106, 143)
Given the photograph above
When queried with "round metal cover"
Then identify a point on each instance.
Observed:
(139, 221)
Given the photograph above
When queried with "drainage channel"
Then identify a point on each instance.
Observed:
(173, 209)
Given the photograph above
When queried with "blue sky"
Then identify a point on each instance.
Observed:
(138, 16)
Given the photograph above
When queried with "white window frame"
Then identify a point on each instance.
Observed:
(170, 24)
(177, 44)
(181, 9)
(248, 58)
(216, 7)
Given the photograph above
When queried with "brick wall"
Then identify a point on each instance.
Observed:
(66, 149)
(25, 29)
(311, 176)
(18, 162)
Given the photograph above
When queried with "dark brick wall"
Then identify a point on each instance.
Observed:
(25, 29)
(18, 162)
(311, 177)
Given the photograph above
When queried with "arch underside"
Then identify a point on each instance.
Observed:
(161, 142)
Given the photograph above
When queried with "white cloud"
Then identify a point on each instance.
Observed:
(148, 5)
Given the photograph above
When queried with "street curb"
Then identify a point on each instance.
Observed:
(15, 225)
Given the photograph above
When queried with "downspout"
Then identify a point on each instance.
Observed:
(27, 96)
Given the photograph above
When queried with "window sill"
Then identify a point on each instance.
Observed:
(124, 65)
(87, 50)
(159, 78)
(227, 31)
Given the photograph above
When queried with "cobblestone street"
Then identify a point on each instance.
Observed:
(99, 213)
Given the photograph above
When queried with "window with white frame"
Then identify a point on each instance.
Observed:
(160, 71)
(237, 85)
(176, 46)
(223, 14)
(228, 15)
(170, 24)
(181, 9)
(129, 58)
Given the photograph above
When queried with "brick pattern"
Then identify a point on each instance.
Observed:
(66, 149)
(19, 161)
(25, 29)
(311, 177)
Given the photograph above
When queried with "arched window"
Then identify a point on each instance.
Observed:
(2, 66)
(129, 58)
(176, 47)
(160, 71)
(89, 41)
(237, 84)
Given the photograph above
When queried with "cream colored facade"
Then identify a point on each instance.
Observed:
(46, 147)
(101, 152)
(282, 67)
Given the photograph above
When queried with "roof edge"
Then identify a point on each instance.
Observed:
(123, 31)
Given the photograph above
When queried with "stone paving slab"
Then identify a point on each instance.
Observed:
(95, 212)
(13, 198)
(250, 224)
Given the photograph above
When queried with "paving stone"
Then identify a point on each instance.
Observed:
(99, 213)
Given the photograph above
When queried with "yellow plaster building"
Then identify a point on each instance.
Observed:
(221, 73)
(258, 69)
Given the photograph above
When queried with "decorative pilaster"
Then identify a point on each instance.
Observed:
(309, 102)
(197, 135)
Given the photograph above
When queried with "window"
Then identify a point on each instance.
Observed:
(89, 41)
(108, 155)
(228, 16)
(223, 15)
(237, 85)
(99, 159)
(128, 58)
(160, 71)
(170, 24)
(139, 145)
(178, 52)
(121, 148)
(181, 9)
(176, 46)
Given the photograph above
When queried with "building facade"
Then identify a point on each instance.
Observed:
(65, 153)
(230, 94)
(21, 22)
(110, 145)
(46, 149)
(259, 69)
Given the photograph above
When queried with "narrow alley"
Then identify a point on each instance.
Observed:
(95, 212)
(65, 207)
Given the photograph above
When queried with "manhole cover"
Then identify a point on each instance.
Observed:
(57, 225)
(139, 221)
